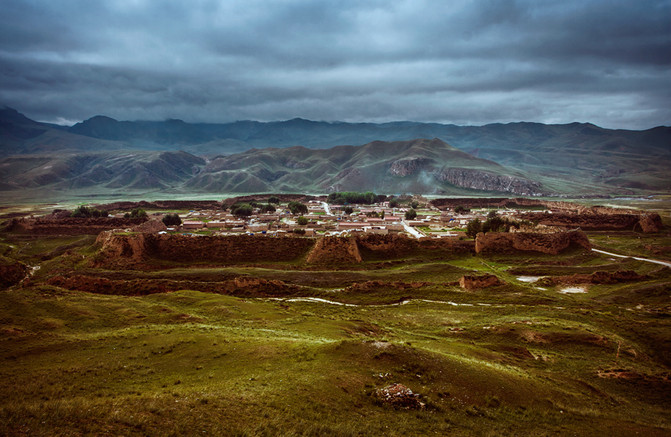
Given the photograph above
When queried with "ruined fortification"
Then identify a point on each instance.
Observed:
(550, 243)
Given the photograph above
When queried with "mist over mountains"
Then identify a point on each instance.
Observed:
(103, 154)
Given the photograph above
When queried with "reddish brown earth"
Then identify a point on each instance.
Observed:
(599, 277)
(56, 225)
(648, 223)
(469, 282)
(161, 204)
(396, 246)
(11, 273)
(335, 250)
(369, 286)
(551, 243)
(240, 286)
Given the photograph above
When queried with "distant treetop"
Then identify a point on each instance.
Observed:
(345, 197)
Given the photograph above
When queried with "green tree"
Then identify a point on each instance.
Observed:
(242, 209)
(172, 220)
(302, 221)
(348, 210)
(267, 208)
(410, 214)
(137, 213)
(473, 228)
(393, 203)
(414, 204)
(274, 199)
(297, 208)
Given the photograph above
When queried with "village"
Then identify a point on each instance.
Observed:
(318, 218)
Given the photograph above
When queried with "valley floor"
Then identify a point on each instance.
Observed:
(520, 358)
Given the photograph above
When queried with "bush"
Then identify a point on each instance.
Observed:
(473, 228)
(172, 220)
(414, 204)
(274, 199)
(242, 209)
(348, 210)
(299, 231)
(85, 211)
(410, 214)
(136, 213)
(302, 221)
(297, 208)
(461, 209)
(394, 203)
(267, 208)
(345, 197)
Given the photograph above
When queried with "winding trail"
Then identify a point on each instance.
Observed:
(403, 302)
(327, 209)
(655, 261)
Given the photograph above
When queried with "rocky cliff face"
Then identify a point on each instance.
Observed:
(407, 166)
(554, 243)
(486, 181)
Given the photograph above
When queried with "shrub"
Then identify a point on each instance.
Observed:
(85, 211)
(302, 221)
(410, 214)
(267, 208)
(394, 203)
(242, 209)
(172, 220)
(274, 199)
(348, 210)
(136, 214)
(297, 208)
(473, 228)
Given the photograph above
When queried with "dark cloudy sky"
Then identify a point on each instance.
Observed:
(456, 61)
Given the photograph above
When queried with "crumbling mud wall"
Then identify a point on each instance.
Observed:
(554, 243)
(239, 286)
(392, 246)
(335, 250)
(119, 249)
(70, 225)
(470, 282)
(648, 222)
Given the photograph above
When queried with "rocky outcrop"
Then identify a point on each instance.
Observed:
(335, 250)
(469, 282)
(487, 181)
(550, 243)
(407, 166)
(399, 396)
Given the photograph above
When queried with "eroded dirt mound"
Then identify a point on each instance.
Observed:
(150, 226)
(11, 272)
(593, 221)
(399, 396)
(335, 250)
(550, 243)
(56, 225)
(377, 285)
(469, 282)
(599, 277)
(397, 246)
(161, 204)
(240, 286)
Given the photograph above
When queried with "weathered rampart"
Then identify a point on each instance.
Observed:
(70, 225)
(497, 242)
(335, 250)
(648, 222)
(138, 248)
(391, 246)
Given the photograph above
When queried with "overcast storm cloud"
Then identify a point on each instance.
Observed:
(462, 62)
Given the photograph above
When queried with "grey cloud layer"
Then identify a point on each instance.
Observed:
(458, 62)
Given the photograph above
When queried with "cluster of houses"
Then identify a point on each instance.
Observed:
(324, 219)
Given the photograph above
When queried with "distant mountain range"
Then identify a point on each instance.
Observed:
(300, 156)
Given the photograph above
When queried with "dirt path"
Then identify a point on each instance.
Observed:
(656, 261)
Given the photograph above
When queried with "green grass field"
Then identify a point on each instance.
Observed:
(515, 359)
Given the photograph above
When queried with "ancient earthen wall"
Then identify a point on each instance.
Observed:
(335, 250)
(493, 242)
